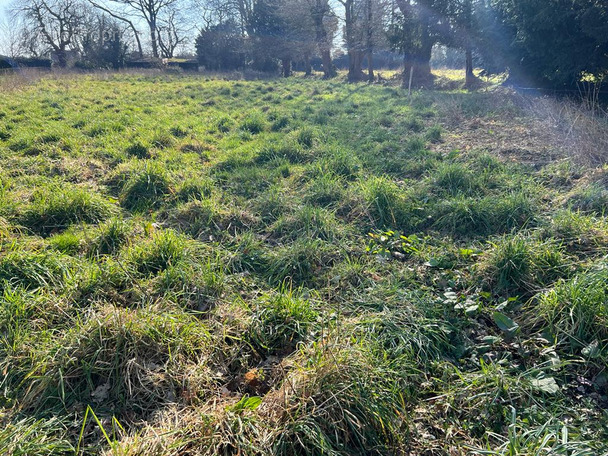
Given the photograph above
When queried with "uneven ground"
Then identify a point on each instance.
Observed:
(193, 266)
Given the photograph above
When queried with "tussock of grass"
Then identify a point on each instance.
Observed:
(454, 179)
(485, 216)
(592, 198)
(163, 249)
(32, 270)
(517, 264)
(362, 405)
(146, 188)
(55, 207)
(138, 150)
(32, 437)
(195, 189)
(300, 262)
(120, 358)
(577, 312)
(280, 321)
(388, 204)
(253, 123)
(308, 222)
(193, 285)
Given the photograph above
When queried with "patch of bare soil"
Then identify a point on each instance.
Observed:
(519, 139)
(544, 130)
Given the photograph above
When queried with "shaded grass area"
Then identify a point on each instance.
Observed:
(198, 266)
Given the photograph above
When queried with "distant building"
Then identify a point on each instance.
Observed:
(6, 63)
(17, 63)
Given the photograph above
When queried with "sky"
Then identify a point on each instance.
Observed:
(3, 5)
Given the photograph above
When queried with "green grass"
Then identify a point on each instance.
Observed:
(295, 266)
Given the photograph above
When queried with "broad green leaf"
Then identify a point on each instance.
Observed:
(505, 323)
(546, 385)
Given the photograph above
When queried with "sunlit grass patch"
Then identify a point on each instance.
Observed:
(293, 266)
(57, 206)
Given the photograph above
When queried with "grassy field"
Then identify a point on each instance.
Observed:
(194, 266)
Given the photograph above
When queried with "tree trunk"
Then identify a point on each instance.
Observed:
(140, 49)
(469, 76)
(286, 64)
(470, 79)
(355, 60)
(369, 42)
(421, 75)
(421, 62)
(153, 39)
(62, 58)
(328, 67)
(354, 54)
(323, 43)
(307, 65)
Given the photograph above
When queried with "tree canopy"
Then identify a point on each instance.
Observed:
(540, 43)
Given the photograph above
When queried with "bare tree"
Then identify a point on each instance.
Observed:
(324, 26)
(172, 32)
(355, 19)
(56, 22)
(11, 38)
(151, 12)
(300, 32)
(214, 12)
(121, 18)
